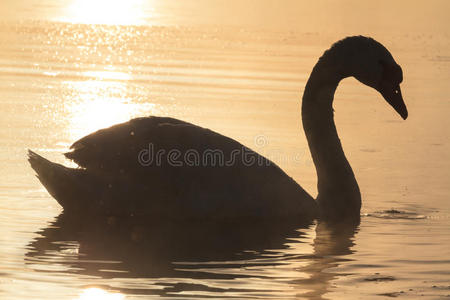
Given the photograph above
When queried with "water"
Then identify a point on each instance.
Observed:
(68, 68)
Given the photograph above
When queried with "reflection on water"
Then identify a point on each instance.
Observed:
(230, 259)
(99, 103)
(111, 12)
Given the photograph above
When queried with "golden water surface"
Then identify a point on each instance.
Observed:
(70, 67)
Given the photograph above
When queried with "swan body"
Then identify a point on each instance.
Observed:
(167, 168)
(117, 175)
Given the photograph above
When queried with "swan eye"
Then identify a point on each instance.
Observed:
(396, 91)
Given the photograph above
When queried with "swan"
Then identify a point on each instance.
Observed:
(161, 167)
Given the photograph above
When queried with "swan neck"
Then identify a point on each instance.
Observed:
(338, 192)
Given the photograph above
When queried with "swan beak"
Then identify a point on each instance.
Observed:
(393, 95)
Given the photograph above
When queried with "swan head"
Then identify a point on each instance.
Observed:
(372, 64)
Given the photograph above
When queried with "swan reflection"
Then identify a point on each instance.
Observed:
(230, 258)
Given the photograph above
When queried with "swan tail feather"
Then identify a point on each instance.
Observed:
(61, 182)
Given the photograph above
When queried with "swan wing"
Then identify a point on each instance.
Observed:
(129, 145)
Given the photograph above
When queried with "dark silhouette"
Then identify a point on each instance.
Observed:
(112, 247)
(118, 176)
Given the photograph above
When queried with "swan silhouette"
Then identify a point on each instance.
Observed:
(166, 168)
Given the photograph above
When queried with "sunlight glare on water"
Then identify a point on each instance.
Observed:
(109, 12)
(99, 294)
(99, 103)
